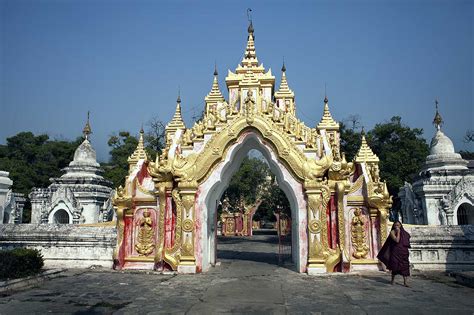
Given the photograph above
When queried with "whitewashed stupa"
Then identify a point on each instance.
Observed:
(443, 193)
(81, 195)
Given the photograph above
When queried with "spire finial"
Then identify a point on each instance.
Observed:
(249, 18)
(438, 120)
(215, 69)
(141, 130)
(87, 128)
(283, 68)
(178, 100)
(325, 94)
(362, 131)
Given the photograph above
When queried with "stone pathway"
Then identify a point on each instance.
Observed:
(248, 281)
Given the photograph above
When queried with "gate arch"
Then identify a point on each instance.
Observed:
(340, 207)
(217, 182)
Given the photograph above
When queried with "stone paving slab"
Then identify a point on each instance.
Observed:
(241, 286)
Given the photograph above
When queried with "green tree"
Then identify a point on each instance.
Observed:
(32, 160)
(122, 146)
(350, 141)
(402, 152)
(247, 180)
(252, 181)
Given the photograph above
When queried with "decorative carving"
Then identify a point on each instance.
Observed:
(314, 226)
(359, 240)
(145, 239)
(249, 106)
(188, 225)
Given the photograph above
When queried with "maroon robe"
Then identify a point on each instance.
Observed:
(395, 255)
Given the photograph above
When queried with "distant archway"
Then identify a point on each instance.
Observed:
(465, 214)
(61, 216)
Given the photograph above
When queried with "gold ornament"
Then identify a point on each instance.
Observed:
(188, 225)
(358, 238)
(145, 239)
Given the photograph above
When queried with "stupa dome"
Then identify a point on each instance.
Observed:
(85, 155)
(441, 144)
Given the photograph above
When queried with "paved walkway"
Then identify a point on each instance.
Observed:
(248, 281)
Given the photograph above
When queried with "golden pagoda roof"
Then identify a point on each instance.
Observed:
(249, 72)
(284, 90)
(215, 95)
(327, 122)
(139, 153)
(365, 153)
(177, 121)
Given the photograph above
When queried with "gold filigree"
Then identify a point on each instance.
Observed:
(358, 238)
(357, 185)
(314, 226)
(188, 225)
(340, 215)
(145, 239)
(172, 255)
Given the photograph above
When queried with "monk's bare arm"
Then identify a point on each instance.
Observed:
(395, 236)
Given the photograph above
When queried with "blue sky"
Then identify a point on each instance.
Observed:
(124, 61)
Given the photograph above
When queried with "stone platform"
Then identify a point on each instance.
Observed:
(63, 245)
(248, 280)
(449, 248)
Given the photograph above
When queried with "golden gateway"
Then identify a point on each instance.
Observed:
(166, 209)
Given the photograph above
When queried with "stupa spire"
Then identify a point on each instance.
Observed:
(284, 91)
(327, 122)
(250, 55)
(215, 94)
(177, 120)
(438, 120)
(365, 153)
(139, 153)
(87, 128)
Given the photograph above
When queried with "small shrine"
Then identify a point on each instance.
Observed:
(80, 195)
(167, 209)
(443, 192)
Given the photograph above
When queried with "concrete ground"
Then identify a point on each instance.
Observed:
(248, 281)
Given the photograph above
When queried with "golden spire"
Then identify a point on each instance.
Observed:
(437, 121)
(215, 95)
(365, 153)
(139, 153)
(327, 122)
(177, 121)
(284, 90)
(87, 128)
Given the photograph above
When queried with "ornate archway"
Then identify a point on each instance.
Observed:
(165, 210)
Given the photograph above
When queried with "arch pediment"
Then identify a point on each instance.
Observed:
(197, 166)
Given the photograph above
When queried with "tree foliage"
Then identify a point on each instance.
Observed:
(33, 160)
(253, 181)
(350, 141)
(123, 144)
(402, 152)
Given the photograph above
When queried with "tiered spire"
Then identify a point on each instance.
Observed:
(250, 56)
(139, 153)
(215, 95)
(87, 128)
(284, 90)
(365, 153)
(177, 121)
(327, 122)
(437, 121)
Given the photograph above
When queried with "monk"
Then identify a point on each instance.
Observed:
(394, 253)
